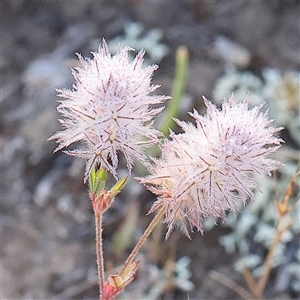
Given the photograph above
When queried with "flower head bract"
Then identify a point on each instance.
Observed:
(209, 168)
(109, 109)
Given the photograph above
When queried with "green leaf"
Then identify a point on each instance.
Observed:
(117, 187)
(97, 180)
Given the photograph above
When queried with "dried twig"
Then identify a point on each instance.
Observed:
(230, 284)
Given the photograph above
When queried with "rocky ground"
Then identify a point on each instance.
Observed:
(47, 239)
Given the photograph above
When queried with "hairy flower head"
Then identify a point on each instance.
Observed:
(109, 109)
(209, 168)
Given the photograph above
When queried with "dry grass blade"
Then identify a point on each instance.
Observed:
(231, 284)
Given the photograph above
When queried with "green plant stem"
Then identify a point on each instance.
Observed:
(99, 252)
(181, 67)
(140, 243)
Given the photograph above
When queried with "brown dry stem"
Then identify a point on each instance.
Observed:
(284, 223)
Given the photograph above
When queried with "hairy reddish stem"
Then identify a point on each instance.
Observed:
(141, 241)
(99, 251)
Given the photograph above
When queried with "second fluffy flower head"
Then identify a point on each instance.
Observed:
(209, 168)
(109, 109)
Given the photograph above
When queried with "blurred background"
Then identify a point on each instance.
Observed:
(47, 224)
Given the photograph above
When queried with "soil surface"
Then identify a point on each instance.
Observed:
(47, 224)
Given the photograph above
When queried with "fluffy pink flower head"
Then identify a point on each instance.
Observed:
(209, 168)
(109, 109)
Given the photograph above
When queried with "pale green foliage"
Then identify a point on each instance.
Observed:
(280, 91)
(134, 37)
(256, 223)
(154, 281)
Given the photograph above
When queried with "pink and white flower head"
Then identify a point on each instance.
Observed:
(209, 168)
(109, 109)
